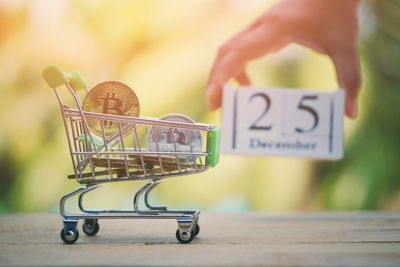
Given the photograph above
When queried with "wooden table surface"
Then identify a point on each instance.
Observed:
(237, 239)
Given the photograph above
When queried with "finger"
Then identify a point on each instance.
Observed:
(226, 68)
(240, 35)
(347, 64)
(214, 98)
(228, 46)
(233, 57)
(243, 78)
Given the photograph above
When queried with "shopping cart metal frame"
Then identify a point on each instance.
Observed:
(109, 152)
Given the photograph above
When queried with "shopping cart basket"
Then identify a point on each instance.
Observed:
(123, 156)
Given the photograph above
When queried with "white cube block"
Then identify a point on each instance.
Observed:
(283, 122)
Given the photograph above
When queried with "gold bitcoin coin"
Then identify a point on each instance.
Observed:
(110, 98)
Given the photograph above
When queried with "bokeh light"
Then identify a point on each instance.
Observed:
(164, 50)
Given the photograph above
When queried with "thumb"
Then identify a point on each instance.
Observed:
(347, 64)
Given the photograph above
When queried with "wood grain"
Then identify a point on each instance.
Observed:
(239, 239)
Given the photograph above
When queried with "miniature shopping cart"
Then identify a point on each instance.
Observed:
(123, 156)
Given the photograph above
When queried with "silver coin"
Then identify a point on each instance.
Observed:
(166, 139)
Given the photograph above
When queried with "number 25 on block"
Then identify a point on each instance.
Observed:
(283, 122)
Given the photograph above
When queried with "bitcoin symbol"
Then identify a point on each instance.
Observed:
(110, 98)
(170, 136)
(167, 139)
(116, 106)
(111, 104)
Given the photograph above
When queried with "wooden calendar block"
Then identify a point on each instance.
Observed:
(283, 122)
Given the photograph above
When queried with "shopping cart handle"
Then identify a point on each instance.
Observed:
(55, 77)
(213, 145)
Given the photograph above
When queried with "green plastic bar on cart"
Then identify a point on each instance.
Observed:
(55, 77)
(213, 144)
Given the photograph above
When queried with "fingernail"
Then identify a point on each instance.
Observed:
(352, 110)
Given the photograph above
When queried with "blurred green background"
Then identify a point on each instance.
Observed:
(164, 50)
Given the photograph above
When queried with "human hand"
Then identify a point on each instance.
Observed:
(329, 27)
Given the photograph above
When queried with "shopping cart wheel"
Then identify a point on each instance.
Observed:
(185, 237)
(69, 236)
(91, 227)
(196, 230)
